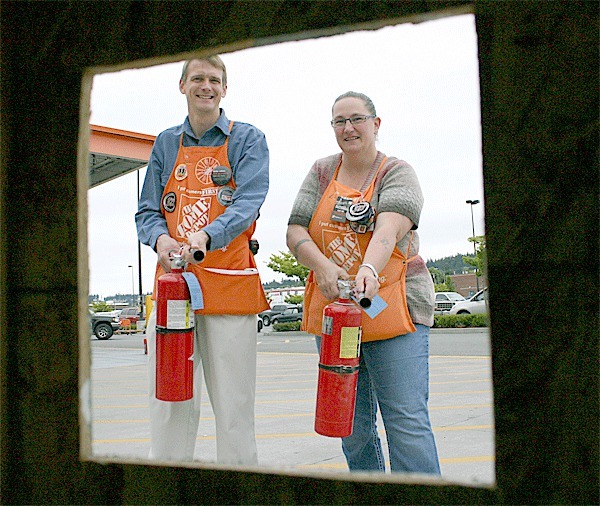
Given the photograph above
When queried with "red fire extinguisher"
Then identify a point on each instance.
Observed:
(174, 335)
(338, 366)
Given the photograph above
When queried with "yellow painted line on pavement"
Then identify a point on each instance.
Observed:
(462, 427)
(297, 401)
(285, 435)
(288, 390)
(313, 380)
(458, 460)
(464, 406)
(458, 358)
(105, 396)
(463, 392)
(122, 382)
(296, 353)
(274, 390)
(113, 441)
(206, 419)
(132, 406)
(122, 406)
(286, 401)
(459, 381)
(284, 415)
(310, 375)
(281, 370)
(485, 371)
(464, 460)
(303, 372)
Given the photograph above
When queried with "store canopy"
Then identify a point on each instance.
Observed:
(114, 153)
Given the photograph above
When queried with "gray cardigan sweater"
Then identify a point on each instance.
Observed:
(397, 190)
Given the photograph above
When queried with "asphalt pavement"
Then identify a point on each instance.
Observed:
(461, 405)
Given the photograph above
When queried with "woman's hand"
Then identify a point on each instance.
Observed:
(367, 284)
(307, 253)
(327, 279)
(389, 229)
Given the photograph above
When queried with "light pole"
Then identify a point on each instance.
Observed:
(132, 286)
(472, 203)
(141, 299)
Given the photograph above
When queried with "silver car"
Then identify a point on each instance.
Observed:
(444, 301)
(475, 305)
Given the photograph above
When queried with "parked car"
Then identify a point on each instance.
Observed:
(259, 324)
(267, 316)
(133, 314)
(103, 325)
(475, 305)
(444, 301)
(291, 314)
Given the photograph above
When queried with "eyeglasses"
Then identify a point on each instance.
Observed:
(354, 120)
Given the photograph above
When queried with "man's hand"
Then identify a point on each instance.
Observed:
(197, 241)
(165, 244)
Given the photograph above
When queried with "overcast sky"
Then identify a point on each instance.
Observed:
(423, 80)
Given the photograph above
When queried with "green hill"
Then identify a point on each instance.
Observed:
(451, 265)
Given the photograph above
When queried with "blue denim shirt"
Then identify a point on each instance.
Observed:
(249, 159)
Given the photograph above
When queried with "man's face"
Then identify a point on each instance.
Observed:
(203, 87)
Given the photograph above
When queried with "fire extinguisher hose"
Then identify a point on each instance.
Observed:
(164, 330)
(340, 369)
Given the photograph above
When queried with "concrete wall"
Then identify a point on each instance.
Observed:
(539, 76)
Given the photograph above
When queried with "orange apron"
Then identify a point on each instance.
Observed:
(338, 242)
(191, 200)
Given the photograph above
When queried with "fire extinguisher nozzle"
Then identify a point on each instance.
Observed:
(198, 255)
(364, 302)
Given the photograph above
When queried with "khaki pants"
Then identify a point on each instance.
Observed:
(225, 355)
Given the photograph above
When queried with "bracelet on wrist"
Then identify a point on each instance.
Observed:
(371, 268)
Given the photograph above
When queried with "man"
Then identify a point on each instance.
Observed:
(205, 183)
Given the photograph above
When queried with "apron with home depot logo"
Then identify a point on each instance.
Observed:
(199, 190)
(345, 247)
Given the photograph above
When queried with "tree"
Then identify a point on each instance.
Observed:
(437, 275)
(99, 306)
(480, 259)
(441, 282)
(294, 299)
(287, 264)
(454, 264)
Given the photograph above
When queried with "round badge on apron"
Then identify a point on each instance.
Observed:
(180, 172)
(361, 217)
(169, 201)
(225, 196)
(221, 175)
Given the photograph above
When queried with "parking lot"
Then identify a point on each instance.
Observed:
(461, 405)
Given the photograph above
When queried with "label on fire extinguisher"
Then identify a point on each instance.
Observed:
(350, 342)
(179, 314)
(327, 325)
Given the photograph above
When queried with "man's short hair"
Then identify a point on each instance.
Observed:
(215, 61)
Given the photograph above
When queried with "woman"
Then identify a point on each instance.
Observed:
(354, 218)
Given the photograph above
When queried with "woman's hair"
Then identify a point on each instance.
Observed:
(215, 61)
(353, 94)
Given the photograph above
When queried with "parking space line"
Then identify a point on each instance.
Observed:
(464, 415)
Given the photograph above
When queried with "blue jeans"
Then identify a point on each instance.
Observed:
(394, 375)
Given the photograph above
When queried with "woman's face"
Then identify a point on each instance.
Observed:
(358, 137)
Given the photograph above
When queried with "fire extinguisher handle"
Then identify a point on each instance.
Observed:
(198, 255)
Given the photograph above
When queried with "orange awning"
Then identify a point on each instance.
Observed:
(114, 153)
